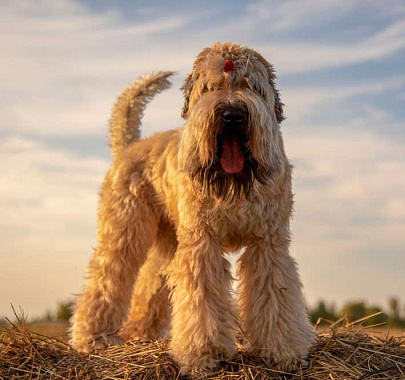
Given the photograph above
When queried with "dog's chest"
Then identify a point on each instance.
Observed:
(235, 224)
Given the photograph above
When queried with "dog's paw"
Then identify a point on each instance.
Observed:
(201, 368)
(112, 340)
(133, 330)
(286, 362)
(282, 360)
(201, 365)
(290, 365)
(97, 343)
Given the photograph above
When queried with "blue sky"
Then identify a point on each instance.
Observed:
(341, 74)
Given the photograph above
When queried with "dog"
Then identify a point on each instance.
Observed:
(172, 204)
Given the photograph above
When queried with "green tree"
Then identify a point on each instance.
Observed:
(64, 311)
(354, 310)
(48, 316)
(394, 316)
(358, 309)
(323, 311)
(377, 319)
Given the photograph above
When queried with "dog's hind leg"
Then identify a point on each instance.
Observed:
(150, 308)
(127, 225)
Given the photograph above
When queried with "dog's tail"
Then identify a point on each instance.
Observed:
(128, 109)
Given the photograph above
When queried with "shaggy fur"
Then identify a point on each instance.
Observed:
(170, 207)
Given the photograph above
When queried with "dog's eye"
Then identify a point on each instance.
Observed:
(208, 88)
(256, 85)
(258, 88)
(251, 83)
(245, 83)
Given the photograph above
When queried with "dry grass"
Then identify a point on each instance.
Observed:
(345, 352)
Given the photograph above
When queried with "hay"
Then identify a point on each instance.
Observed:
(340, 353)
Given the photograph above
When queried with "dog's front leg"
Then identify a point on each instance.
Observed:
(203, 318)
(273, 315)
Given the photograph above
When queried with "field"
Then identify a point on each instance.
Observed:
(40, 351)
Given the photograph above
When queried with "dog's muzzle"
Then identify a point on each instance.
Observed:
(233, 139)
(233, 116)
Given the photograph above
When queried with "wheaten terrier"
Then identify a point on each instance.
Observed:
(172, 204)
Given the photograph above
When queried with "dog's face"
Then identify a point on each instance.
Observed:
(232, 109)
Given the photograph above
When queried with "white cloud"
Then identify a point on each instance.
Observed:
(63, 65)
(48, 200)
(291, 54)
(296, 57)
(296, 14)
(346, 185)
(395, 209)
(42, 188)
(302, 101)
(62, 69)
(349, 220)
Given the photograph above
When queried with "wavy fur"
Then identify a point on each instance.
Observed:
(128, 109)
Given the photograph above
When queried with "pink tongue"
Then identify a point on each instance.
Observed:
(232, 159)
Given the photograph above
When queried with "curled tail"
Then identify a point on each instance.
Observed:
(128, 109)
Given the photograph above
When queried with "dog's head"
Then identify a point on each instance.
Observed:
(233, 111)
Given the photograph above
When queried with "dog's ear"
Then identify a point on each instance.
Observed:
(278, 104)
(187, 88)
(190, 81)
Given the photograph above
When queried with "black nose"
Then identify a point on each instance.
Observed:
(233, 115)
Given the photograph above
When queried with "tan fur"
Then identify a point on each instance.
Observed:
(158, 222)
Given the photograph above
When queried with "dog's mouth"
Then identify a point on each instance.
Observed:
(232, 139)
(232, 157)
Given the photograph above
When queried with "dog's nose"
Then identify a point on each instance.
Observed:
(233, 115)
